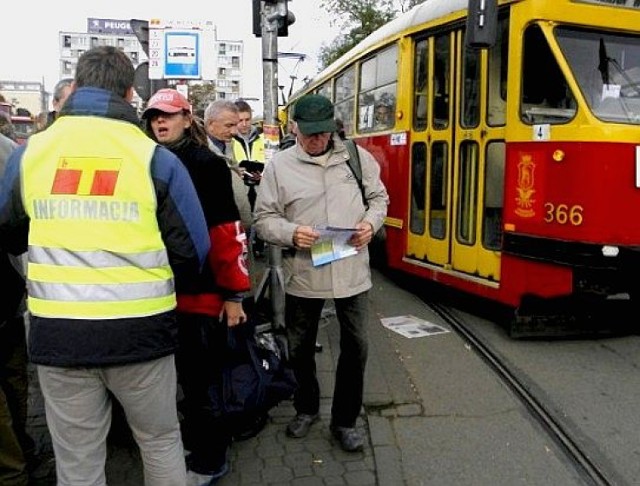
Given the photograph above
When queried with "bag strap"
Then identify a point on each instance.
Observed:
(356, 168)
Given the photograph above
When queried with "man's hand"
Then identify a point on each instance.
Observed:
(363, 236)
(305, 237)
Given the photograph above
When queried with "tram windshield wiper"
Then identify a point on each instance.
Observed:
(603, 66)
(603, 62)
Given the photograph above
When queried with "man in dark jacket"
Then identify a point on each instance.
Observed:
(113, 225)
(16, 446)
(61, 92)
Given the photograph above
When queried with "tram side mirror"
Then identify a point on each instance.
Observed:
(482, 24)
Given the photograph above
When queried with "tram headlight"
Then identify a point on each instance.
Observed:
(610, 251)
(558, 155)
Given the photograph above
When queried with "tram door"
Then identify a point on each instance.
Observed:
(431, 148)
(462, 151)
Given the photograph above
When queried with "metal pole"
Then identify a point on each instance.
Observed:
(273, 273)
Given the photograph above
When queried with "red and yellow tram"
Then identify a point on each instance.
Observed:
(513, 171)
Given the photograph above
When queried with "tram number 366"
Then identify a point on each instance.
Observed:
(563, 214)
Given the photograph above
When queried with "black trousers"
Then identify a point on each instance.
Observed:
(206, 433)
(16, 446)
(302, 316)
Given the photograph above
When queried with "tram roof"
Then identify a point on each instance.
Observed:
(419, 14)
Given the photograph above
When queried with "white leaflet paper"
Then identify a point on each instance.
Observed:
(411, 326)
(332, 245)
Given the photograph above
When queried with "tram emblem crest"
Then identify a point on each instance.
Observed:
(525, 187)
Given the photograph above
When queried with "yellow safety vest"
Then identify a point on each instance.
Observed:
(95, 249)
(256, 151)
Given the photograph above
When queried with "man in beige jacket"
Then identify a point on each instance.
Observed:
(303, 188)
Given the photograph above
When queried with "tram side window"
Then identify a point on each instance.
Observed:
(345, 89)
(466, 193)
(377, 95)
(441, 78)
(546, 97)
(493, 196)
(420, 85)
(325, 90)
(497, 76)
(418, 182)
(470, 113)
(438, 209)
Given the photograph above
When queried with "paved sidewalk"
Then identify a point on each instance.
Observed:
(269, 458)
(272, 458)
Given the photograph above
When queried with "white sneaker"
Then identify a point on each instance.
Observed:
(195, 479)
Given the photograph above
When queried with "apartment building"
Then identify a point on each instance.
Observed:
(227, 63)
(226, 71)
(29, 95)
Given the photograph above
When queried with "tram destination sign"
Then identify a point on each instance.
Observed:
(613, 3)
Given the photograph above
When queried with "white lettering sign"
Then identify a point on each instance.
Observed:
(613, 3)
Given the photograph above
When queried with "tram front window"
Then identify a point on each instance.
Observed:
(607, 68)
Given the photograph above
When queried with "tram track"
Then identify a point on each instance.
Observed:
(587, 468)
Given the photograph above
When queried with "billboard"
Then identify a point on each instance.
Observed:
(108, 26)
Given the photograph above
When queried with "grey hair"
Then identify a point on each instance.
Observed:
(60, 86)
(217, 107)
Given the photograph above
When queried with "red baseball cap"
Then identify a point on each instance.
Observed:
(167, 101)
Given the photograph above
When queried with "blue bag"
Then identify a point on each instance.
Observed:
(256, 377)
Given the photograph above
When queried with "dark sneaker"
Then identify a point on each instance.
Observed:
(350, 439)
(252, 428)
(300, 425)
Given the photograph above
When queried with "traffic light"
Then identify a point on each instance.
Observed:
(141, 30)
(285, 20)
(281, 18)
(257, 18)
